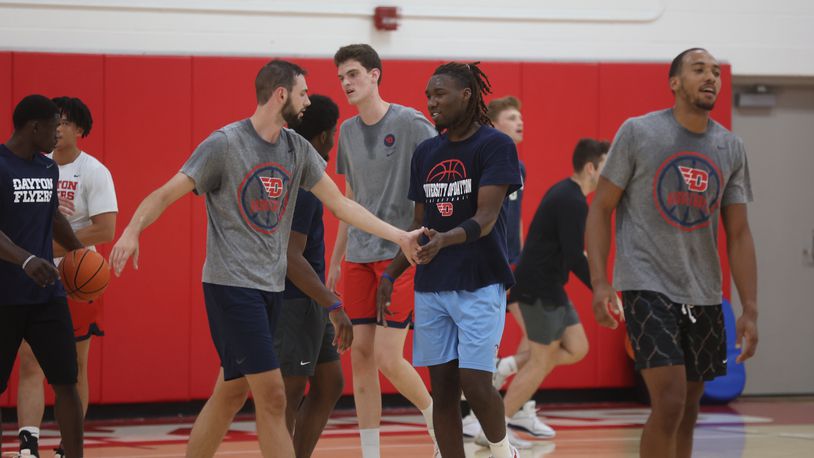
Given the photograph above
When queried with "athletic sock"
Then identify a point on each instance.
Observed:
(428, 418)
(507, 366)
(33, 430)
(501, 449)
(370, 442)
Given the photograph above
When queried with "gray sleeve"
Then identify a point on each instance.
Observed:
(422, 129)
(313, 167)
(621, 164)
(739, 186)
(205, 164)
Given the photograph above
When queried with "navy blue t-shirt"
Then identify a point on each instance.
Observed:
(512, 208)
(27, 205)
(445, 176)
(307, 220)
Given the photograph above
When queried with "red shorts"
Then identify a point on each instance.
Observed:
(360, 281)
(87, 319)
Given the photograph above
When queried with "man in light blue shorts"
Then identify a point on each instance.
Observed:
(458, 183)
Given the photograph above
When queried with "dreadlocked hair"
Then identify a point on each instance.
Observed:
(471, 76)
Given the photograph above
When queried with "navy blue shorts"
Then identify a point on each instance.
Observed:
(48, 329)
(242, 322)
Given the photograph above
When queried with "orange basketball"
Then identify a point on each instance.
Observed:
(629, 348)
(85, 274)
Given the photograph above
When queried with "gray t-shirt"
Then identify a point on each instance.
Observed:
(251, 191)
(376, 162)
(675, 183)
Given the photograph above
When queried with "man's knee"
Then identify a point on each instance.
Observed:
(477, 386)
(30, 369)
(669, 404)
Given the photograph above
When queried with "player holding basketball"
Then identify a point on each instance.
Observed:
(306, 340)
(88, 200)
(32, 304)
(670, 175)
(458, 181)
(264, 165)
(374, 154)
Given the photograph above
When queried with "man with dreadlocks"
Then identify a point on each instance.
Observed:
(458, 183)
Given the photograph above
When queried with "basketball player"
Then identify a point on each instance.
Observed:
(374, 154)
(244, 273)
(32, 303)
(671, 175)
(459, 181)
(506, 117)
(305, 340)
(88, 200)
(554, 248)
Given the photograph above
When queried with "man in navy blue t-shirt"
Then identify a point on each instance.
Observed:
(308, 336)
(458, 182)
(32, 299)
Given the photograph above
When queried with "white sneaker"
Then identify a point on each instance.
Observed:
(436, 453)
(471, 425)
(527, 420)
(514, 441)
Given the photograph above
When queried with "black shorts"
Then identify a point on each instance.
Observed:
(48, 329)
(304, 338)
(665, 333)
(242, 322)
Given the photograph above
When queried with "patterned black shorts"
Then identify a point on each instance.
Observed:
(664, 333)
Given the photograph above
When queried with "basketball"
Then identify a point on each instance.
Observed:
(85, 274)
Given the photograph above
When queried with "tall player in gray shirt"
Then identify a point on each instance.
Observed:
(375, 149)
(263, 165)
(670, 175)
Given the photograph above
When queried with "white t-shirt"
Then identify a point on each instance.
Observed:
(88, 184)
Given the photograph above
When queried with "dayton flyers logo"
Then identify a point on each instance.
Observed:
(687, 190)
(445, 208)
(274, 186)
(697, 180)
(263, 196)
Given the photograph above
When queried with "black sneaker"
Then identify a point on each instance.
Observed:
(59, 453)
(29, 445)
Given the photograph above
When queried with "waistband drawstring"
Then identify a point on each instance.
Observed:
(686, 309)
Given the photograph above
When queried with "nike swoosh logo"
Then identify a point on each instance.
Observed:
(240, 361)
(49, 165)
(305, 363)
(76, 176)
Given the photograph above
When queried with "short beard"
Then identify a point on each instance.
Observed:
(291, 117)
(704, 106)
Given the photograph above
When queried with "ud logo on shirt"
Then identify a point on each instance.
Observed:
(687, 190)
(263, 196)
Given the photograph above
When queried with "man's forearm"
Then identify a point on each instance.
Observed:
(302, 275)
(63, 233)
(598, 234)
(341, 244)
(9, 251)
(743, 263)
(358, 216)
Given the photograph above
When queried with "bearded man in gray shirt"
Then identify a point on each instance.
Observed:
(264, 165)
(670, 175)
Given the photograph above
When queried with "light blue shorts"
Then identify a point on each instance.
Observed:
(462, 325)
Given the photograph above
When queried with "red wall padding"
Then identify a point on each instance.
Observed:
(150, 113)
